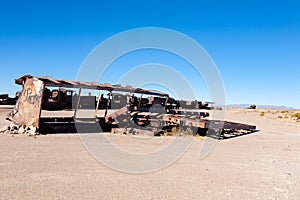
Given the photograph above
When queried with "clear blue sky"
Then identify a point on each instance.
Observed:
(255, 44)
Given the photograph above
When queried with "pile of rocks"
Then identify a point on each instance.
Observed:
(17, 129)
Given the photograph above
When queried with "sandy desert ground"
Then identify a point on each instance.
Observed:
(261, 165)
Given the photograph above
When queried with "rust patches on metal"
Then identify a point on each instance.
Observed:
(158, 114)
(48, 81)
(28, 107)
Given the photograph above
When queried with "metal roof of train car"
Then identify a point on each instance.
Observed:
(48, 81)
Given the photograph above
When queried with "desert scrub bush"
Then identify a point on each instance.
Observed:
(279, 117)
(285, 116)
(262, 114)
(296, 115)
(284, 111)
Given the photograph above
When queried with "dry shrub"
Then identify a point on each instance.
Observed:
(284, 111)
(296, 115)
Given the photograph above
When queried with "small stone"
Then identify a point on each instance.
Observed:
(32, 131)
(21, 130)
(27, 128)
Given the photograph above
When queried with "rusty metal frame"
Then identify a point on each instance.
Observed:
(48, 81)
(77, 104)
(172, 117)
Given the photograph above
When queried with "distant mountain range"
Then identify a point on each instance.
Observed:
(260, 106)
